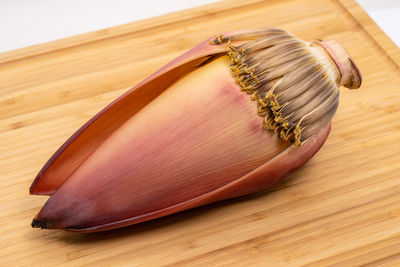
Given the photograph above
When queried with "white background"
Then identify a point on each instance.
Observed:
(29, 22)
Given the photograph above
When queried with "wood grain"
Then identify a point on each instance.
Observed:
(342, 208)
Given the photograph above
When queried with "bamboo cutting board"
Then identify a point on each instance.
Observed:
(342, 208)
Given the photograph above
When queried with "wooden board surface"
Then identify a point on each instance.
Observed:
(342, 208)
